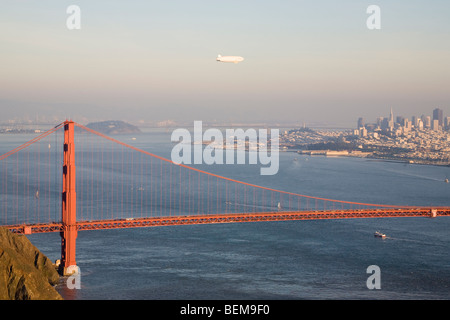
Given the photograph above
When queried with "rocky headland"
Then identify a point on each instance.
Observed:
(25, 273)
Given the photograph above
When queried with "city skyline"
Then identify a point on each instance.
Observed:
(316, 62)
(444, 120)
(437, 114)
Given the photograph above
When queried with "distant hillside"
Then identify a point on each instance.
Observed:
(25, 273)
(113, 127)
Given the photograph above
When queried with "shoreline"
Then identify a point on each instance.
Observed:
(373, 158)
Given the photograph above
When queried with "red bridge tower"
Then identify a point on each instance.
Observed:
(69, 204)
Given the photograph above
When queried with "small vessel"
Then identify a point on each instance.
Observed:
(279, 205)
(446, 180)
(36, 195)
(378, 234)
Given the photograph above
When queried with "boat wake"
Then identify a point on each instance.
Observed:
(416, 241)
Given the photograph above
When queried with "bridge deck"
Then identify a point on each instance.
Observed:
(233, 218)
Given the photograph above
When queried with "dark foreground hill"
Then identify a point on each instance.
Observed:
(25, 273)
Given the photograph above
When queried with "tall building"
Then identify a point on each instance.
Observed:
(439, 116)
(391, 120)
(360, 123)
(424, 119)
(427, 122)
(363, 132)
(420, 124)
(435, 125)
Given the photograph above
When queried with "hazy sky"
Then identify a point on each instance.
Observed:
(310, 61)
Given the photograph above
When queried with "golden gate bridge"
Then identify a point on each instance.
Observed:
(110, 185)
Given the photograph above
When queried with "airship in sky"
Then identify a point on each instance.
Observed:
(233, 59)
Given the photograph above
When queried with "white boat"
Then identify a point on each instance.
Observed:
(378, 234)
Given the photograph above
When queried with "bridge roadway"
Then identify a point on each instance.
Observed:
(430, 212)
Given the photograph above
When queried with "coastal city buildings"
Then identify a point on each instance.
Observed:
(423, 139)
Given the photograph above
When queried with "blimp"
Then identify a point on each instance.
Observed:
(234, 59)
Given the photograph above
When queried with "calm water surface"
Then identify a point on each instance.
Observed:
(277, 260)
